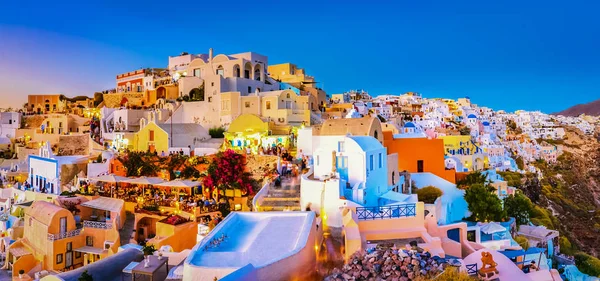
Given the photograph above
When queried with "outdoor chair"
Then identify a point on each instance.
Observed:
(472, 269)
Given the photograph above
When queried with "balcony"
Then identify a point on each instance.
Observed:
(72, 233)
(389, 212)
(98, 224)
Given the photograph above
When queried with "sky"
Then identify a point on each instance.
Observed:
(532, 55)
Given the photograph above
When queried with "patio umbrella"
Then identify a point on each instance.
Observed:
(180, 184)
(492, 227)
(110, 178)
(145, 181)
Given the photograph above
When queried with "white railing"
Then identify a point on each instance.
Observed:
(98, 224)
(72, 233)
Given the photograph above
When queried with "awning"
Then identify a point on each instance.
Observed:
(109, 178)
(90, 250)
(19, 251)
(395, 196)
(145, 180)
(518, 253)
(105, 204)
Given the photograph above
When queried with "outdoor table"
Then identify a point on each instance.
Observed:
(155, 265)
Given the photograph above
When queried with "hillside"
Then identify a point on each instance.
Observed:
(592, 108)
(570, 190)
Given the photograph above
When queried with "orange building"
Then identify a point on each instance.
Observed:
(419, 155)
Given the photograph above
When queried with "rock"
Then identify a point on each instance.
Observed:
(364, 274)
(346, 276)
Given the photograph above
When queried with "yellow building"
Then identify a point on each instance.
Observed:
(42, 104)
(463, 154)
(151, 138)
(291, 74)
(249, 130)
(49, 239)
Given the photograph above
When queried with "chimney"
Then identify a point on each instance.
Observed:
(210, 55)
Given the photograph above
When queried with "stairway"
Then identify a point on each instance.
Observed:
(285, 197)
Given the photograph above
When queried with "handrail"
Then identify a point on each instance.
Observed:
(258, 198)
(97, 224)
(72, 233)
(386, 212)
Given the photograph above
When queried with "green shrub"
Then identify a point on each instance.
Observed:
(428, 194)
(216, 132)
(85, 276)
(587, 264)
(565, 246)
(523, 242)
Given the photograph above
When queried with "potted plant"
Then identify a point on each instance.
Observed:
(148, 250)
(85, 276)
(21, 272)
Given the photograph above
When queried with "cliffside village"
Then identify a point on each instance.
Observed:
(124, 183)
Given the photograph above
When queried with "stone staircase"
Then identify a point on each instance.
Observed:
(286, 197)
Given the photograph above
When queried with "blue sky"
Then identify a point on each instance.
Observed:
(503, 54)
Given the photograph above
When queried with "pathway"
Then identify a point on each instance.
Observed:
(127, 230)
(285, 197)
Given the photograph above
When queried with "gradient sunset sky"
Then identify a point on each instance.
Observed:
(534, 55)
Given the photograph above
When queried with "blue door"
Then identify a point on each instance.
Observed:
(342, 167)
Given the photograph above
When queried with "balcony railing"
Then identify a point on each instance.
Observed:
(387, 212)
(72, 233)
(98, 224)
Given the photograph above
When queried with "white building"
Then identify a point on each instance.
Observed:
(9, 123)
(45, 169)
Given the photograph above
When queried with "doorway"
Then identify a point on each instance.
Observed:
(419, 166)
(342, 167)
(63, 225)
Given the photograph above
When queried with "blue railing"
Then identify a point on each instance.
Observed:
(386, 212)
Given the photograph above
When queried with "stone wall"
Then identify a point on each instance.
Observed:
(73, 145)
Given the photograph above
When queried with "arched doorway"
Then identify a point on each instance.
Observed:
(247, 70)
(236, 71)
(161, 93)
(257, 72)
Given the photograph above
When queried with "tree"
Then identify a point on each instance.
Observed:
(471, 179)
(429, 194)
(587, 264)
(85, 276)
(483, 204)
(520, 163)
(136, 165)
(519, 207)
(228, 171)
(532, 188)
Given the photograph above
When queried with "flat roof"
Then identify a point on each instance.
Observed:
(259, 238)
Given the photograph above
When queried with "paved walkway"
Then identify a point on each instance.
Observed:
(127, 230)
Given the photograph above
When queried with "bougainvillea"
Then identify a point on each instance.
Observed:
(228, 171)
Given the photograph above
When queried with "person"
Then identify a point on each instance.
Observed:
(162, 154)
(300, 155)
(248, 151)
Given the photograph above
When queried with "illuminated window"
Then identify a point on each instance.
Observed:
(268, 105)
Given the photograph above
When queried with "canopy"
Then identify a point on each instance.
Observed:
(90, 250)
(180, 183)
(511, 254)
(145, 180)
(110, 178)
(492, 227)
(105, 204)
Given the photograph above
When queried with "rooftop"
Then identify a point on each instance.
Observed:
(256, 238)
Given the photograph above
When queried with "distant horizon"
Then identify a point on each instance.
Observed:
(540, 56)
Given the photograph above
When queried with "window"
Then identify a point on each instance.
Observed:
(247, 104)
(220, 72)
(89, 241)
(268, 104)
(341, 146)
(318, 160)
(69, 246)
(209, 99)
(249, 89)
(139, 88)
(77, 255)
(288, 95)
(380, 161)
(10, 121)
(60, 124)
(212, 84)
(371, 162)
(59, 258)
(419, 166)
(151, 137)
(197, 72)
